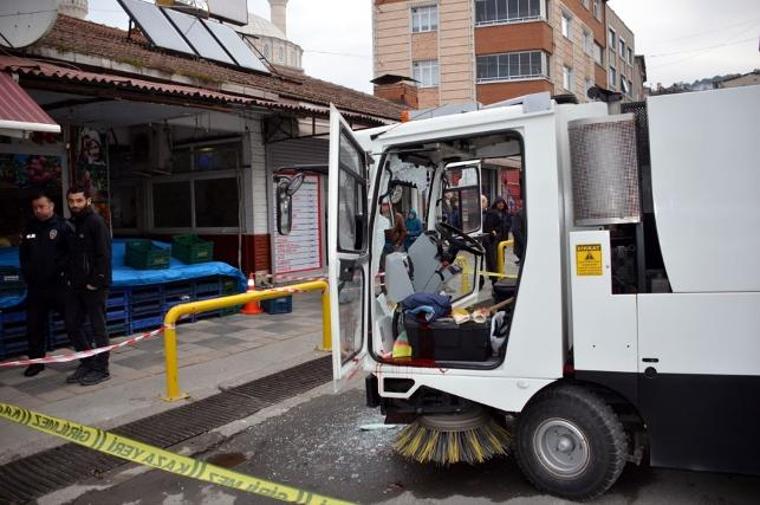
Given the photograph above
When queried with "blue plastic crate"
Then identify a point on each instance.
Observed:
(147, 323)
(282, 305)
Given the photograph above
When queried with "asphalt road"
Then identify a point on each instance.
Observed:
(319, 446)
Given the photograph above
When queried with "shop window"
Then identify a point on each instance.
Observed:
(124, 204)
(216, 203)
(222, 157)
(172, 205)
(202, 191)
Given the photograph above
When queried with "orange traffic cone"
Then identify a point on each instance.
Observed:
(251, 308)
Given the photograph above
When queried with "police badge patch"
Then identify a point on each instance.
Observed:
(53, 234)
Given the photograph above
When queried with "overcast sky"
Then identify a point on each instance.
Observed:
(683, 40)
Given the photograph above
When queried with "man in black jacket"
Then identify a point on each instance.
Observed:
(89, 278)
(43, 255)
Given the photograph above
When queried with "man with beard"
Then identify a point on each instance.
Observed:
(43, 254)
(89, 279)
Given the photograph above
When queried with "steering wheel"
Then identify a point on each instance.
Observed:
(460, 239)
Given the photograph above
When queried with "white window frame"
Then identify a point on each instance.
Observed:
(568, 78)
(426, 68)
(622, 46)
(587, 85)
(544, 73)
(587, 4)
(612, 38)
(424, 18)
(509, 19)
(588, 42)
(566, 24)
(598, 54)
(612, 77)
(598, 9)
(629, 55)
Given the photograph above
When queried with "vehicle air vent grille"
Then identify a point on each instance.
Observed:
(604, 170)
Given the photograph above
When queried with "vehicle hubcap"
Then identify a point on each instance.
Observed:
(561, 448)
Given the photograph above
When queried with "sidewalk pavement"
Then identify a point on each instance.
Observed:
(213, 354)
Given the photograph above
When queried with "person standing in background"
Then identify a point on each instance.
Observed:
(496, 227)
(89, 279)
(43, 254)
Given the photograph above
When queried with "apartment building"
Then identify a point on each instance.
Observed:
(623, 71)
(462, 51)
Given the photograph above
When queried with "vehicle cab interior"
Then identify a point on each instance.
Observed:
(433, 302)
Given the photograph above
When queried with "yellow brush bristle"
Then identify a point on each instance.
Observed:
(426, 444)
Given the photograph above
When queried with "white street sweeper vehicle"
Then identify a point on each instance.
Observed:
(632, 329)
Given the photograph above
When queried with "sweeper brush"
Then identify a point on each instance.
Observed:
(470, 437)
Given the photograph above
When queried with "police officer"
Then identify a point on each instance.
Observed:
(89, 278)
(43, 255)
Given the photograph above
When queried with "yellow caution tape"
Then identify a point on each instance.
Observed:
(147, 455)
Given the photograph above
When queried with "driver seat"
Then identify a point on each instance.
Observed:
(418, 271)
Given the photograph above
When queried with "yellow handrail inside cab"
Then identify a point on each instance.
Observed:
(173, 392)
(500, 265)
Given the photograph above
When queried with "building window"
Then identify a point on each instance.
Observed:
(587, 85)
(612, 40)
(512, 66)
(598, 54)
(566, 25)
(630, 56)
(203, 194)
(489, 12)
(425, 19)
(622, 47)
(624, 88)
(612, 78)
(587, 4)
(426, 72)
(588, 42)
(567, 78)
(598, 9)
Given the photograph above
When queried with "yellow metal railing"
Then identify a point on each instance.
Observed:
(173, 392)
(500, 265)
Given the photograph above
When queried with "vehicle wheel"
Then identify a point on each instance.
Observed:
(570, 443)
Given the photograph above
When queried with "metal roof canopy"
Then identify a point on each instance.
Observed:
(19, 112)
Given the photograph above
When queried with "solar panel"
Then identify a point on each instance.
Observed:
(234, 45)
(156, 26)
(199, 37)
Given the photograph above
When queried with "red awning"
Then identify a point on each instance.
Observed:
(18, 111)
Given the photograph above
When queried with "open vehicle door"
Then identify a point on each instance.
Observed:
(348, 245)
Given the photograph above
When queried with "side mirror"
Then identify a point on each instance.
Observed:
(286, 188)
(284, 210)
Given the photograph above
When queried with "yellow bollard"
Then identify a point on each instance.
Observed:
(501, 248)
(173, 392)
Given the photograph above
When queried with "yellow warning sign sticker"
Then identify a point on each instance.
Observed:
(588, 259)
(143, 454)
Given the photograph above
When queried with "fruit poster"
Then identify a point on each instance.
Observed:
(31, 171)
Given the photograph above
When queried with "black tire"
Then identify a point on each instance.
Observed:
(555, 468)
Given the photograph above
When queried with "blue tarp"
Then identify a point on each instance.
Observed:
(124, 276)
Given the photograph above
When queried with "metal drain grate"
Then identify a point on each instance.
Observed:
(26, 479)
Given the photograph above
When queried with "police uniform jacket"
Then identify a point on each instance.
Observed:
(43, 252)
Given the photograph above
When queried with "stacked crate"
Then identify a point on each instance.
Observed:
(129, 310)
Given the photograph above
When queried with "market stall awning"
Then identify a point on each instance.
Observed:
(19, 112)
